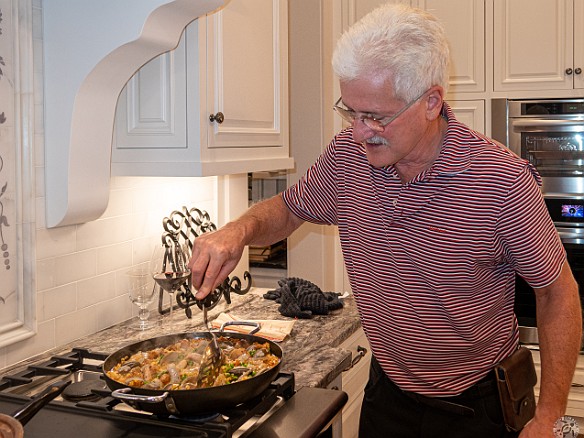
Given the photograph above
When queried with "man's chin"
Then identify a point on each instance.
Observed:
(378, 161)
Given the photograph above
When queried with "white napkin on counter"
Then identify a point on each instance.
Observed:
(272, 329)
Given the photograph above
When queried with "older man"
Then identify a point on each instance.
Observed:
(435, 220)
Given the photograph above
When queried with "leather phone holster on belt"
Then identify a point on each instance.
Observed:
(516, 378)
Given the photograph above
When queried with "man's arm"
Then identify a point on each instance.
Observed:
(559, 326)
(216, 254)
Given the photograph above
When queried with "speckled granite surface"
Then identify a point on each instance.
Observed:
(312, 352)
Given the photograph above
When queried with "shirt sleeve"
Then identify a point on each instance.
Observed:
(314, 197)
(532, 244)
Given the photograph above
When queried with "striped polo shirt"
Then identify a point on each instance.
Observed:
(432, 262)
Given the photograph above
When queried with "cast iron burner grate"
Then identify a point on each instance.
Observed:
(60, 366)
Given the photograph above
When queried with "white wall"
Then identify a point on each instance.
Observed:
(80, 282)
(313, 90)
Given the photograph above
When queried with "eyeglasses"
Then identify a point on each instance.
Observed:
(372, 122)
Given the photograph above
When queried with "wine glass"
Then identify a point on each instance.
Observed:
(143, 296)
(169, 266)
(141, 292)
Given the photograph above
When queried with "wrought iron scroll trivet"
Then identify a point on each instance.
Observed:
(185, 226)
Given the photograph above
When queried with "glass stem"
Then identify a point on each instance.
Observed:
(143, 314)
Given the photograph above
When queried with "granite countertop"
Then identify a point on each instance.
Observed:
(312, 352)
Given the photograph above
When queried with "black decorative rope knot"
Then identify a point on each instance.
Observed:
(299, 298)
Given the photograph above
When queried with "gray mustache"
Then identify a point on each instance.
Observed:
(377, 140)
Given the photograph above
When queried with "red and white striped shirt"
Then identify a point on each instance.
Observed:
(432, 262)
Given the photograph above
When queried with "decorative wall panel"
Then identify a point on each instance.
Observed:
(17, 292)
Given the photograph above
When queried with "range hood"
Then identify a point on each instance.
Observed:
(92, 49)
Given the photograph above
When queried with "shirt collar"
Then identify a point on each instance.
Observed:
(455, 156)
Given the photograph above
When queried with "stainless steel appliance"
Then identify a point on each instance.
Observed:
(87, 408)
(549, 133)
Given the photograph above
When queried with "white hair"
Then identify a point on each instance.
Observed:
(407, 45)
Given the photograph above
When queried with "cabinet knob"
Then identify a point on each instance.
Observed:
(219, 117)
(578, 71)
(568, 71)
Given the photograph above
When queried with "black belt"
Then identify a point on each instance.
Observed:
(443, 405)
(478, 389)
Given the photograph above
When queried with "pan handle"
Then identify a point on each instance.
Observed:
(31, 408)
(126, 395)
(257, 325)
(133, 400)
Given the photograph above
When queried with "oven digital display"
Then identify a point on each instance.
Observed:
(572, 210)
(573, 107)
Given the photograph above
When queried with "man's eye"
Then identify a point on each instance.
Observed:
(374, 117)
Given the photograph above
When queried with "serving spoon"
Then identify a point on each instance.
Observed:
(212, 360)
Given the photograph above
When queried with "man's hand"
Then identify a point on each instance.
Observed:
(559, 326)
(539, 427)
(215, 256)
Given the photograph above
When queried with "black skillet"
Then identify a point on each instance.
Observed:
(189, 401)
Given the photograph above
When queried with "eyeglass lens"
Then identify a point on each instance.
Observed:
(372, 122)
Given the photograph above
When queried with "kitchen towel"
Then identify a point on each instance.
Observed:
(274, 330)
(299, 298)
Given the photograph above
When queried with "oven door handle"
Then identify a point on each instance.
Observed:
(533, 124)
(571, 237)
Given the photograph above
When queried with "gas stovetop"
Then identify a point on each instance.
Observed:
(86, 407)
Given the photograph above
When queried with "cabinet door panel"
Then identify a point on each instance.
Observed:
(470, 112)
(579, 42)
(249, 94)
(533, 44)
(464, 22)
(151, 112)
(358, 8)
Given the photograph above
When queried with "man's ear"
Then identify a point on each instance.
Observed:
(434, 101)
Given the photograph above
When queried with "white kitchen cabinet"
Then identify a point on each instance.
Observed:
(538, 45)
(354, 381)
(470, 112)
(464, 22)
(234, 64)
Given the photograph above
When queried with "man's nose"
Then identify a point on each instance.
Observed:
(362, 132)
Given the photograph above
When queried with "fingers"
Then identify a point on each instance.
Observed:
(213, 277)
(211, 262)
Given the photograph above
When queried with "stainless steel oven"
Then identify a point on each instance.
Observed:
(568, 216)
(549, 133)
